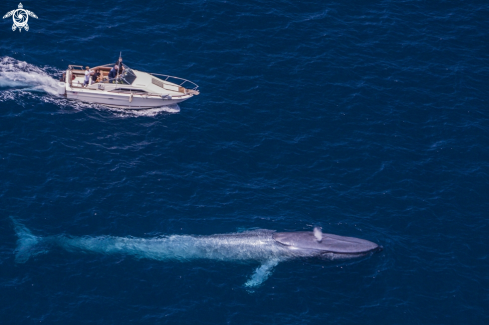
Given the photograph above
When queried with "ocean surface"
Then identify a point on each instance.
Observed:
(369, 119)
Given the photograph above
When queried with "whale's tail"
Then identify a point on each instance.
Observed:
(27, 244)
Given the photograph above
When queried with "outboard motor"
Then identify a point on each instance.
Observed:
(62, 89)
(69, 78)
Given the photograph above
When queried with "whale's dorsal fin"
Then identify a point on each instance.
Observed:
(318, 234)
(262, 273)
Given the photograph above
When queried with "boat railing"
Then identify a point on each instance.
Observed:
(71, 66)
(176, 80)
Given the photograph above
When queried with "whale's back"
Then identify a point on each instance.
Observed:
(326, 243)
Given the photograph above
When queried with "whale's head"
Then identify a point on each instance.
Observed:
(318, 243)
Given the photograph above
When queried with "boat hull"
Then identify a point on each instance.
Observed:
(122, 100)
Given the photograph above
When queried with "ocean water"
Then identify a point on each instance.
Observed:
(366, 118)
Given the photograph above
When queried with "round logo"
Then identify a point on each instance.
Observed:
(20, 18)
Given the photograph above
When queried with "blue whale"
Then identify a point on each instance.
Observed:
(266, 247)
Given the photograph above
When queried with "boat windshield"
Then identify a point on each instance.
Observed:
(127, 77)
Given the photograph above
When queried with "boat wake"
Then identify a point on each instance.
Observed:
(19, 79)
(18, 76)
(148, 112)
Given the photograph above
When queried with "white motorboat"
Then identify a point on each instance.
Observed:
(132, 89)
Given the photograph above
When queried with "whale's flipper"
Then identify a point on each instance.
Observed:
(26, 27)
(262, 273)
(14, 27)
(26, 244)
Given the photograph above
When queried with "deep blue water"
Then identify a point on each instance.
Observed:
(368, 118)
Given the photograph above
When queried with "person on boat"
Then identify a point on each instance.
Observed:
(88, 72)
(113, 73)
(95, 76)
(119, 64)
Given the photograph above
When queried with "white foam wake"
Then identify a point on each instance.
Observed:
(64, 103)
(15, 74)
(142, 112)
